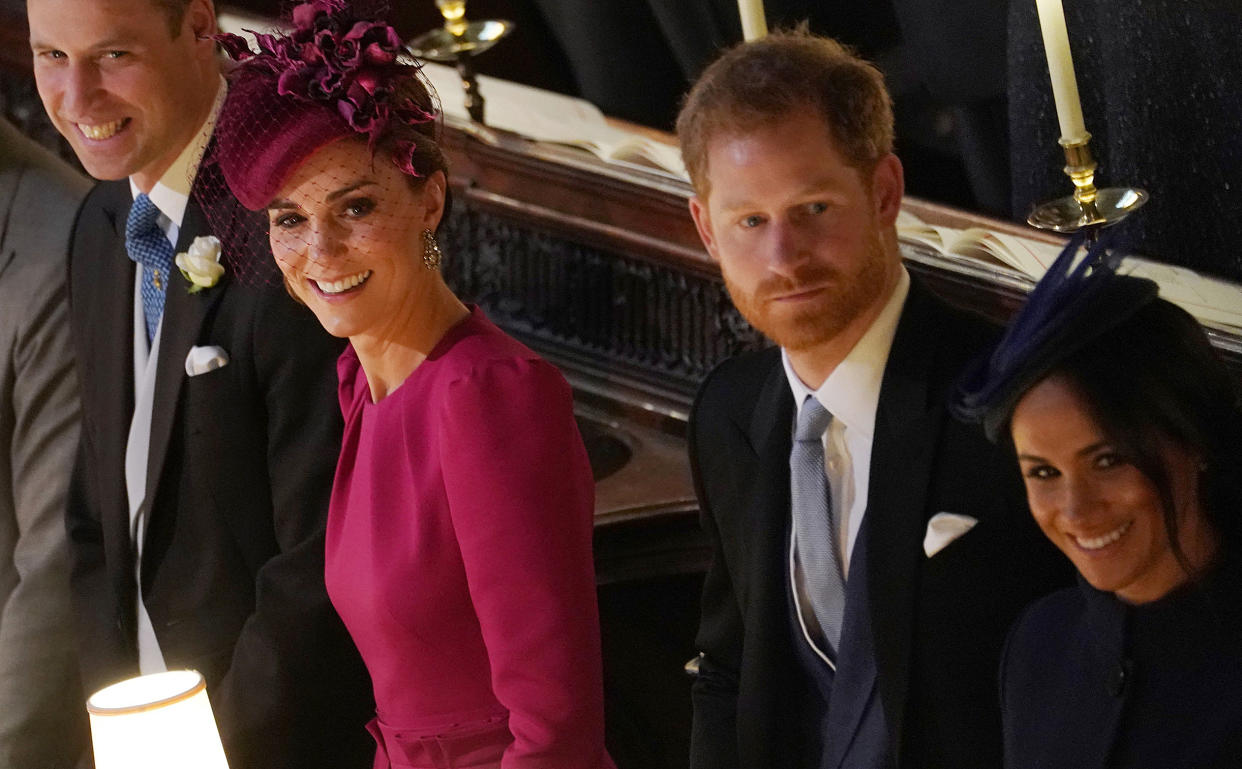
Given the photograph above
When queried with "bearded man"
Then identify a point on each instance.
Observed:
(869, 552)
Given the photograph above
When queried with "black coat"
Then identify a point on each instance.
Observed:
(938, 622)
(1088, 682)
(239, 472)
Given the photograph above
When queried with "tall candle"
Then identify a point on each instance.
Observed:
(1061, 70)
(754, 24)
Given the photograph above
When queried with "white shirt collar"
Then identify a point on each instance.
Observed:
(851, 393)
(171, 194)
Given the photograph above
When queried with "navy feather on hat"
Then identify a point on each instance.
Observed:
(1077, 301)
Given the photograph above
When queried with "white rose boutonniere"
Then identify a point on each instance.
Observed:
(201, 263)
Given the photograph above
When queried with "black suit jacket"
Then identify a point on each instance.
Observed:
(240, 468)
(938, 623)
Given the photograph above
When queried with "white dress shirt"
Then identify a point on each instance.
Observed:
(851, 393)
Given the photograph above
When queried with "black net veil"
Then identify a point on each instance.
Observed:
(321, 151)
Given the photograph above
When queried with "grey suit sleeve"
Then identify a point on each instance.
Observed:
(41, 712)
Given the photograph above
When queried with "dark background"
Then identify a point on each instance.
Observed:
(975, 124)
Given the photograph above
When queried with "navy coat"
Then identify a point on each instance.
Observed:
(1089, 682)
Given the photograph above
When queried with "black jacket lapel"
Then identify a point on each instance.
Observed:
(184, 314)
(907, 429)
(770, 435)
(773, 675)
(102, 296)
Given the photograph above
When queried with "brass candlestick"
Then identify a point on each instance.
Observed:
(459, 41)
(1087, 207)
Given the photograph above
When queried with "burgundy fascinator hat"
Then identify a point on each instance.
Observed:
(332, 76)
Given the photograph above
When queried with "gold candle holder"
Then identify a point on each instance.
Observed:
(454, 13)
(457, 42)
(1088, 207)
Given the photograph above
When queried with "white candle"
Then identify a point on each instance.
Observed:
(754, 24)
(1061, 70)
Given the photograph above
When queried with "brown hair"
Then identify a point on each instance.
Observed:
(174, 14)
(428, 155)
(765, 80)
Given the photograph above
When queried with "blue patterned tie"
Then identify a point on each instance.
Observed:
(148, 246)
(814, 524)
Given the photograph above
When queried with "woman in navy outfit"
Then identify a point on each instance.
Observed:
(1128, 434)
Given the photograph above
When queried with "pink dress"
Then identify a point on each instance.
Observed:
(459, 557)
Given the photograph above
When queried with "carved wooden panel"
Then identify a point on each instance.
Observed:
(648, 322)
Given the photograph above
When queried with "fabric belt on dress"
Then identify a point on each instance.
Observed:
(477, 745)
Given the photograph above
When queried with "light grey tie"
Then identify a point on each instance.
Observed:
(814, 527)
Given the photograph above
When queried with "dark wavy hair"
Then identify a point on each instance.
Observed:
(1153, 380)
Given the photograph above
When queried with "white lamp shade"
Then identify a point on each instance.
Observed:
(154, 722)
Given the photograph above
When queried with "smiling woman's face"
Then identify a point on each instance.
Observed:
(1099, 509)
(346, 232)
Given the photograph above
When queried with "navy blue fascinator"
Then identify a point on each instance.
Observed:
(1076, 302)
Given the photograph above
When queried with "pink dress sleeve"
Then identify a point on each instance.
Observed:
(521, 498)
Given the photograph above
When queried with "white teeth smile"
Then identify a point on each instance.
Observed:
(101, 131)
(1096, 543)
(344, 284)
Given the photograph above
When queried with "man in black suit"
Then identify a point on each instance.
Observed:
(199, 495)
(860, 627)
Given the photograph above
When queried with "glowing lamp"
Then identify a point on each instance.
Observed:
(155, 721)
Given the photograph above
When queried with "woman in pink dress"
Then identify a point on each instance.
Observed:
(459, 533)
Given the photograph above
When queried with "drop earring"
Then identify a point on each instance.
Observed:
(431, 251)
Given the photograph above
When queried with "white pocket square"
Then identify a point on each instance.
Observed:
(943, 528)
(200, 360)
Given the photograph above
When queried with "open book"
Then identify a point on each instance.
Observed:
(552, 117)
(1029, 257)
(1215, 302)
